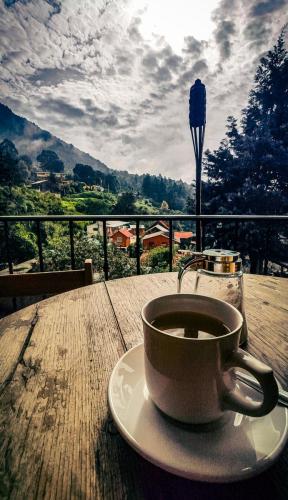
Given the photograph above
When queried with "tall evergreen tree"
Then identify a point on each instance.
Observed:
(13, 170)
(248, 173)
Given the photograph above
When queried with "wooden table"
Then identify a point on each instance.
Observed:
(57, 438)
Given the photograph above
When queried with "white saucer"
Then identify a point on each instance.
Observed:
(236, 449)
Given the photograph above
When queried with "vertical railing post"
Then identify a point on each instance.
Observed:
(203, 236)
(138, 248)
(236, 235)
(267, 237)
(39, 243)
(71, 235)
(8, 253)
(198, 235)
(170, 245)
(105, 266)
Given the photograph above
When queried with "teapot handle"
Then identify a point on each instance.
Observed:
(196, 258)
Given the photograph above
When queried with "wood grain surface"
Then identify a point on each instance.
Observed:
(57, 439)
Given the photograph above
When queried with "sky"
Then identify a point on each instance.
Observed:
(112, 77)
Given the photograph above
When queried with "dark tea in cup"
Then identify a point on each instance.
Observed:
(190, 324)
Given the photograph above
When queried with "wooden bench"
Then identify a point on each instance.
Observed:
(24, 287)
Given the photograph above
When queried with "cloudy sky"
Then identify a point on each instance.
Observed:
(112, 77)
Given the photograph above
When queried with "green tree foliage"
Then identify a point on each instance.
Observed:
(22, 236)
(84, 173)
(190, 205)
(159, 188)
(50, 161)
(158, 260)
(111, 183)
(14, 170)
(57, 256)
(125, 204)
(90, 202)
(248, 173)
(21, 200)
(22, 243)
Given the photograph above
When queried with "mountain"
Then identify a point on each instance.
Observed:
(31, 139)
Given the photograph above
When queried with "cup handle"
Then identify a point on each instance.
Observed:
(235, 401)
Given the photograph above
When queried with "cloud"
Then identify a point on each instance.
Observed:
(256, 31)
(192, 46)
(61, 107)
(267, 6)
(133, 30)
(223, 35)
(150, 60)
(90, 107)
(199, 69)
(161, 66)
(124, 62)
(54, 76)
(92, 76)
(56, 6)
(174, 62)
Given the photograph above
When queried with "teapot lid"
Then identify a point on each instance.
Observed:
(218, 260)
(221, 255)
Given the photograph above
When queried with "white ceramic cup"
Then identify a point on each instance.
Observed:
(192, 380)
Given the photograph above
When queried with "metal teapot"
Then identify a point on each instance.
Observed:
(219, 275)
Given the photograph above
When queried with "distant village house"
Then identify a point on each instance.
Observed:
(122, 238)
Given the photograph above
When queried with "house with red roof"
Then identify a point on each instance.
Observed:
(152, 240)
(181, 236)
(122, 238)
(158, 226)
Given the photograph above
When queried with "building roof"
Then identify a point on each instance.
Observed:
(161, 223)
(116, 223)
(125, 232)
(152, 235)
(164, 223)
(182, 235)
(157, 226)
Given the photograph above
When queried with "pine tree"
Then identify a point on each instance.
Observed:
(248, 173)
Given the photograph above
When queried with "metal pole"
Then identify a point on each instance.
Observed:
(198, 206)
(72, 252)
(105, 266)
(197, 121)
(137, 247)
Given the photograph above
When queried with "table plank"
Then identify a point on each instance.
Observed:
(57, 439)
(128, 296)
(15, 332)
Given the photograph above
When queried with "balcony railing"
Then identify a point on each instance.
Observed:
(270, 220)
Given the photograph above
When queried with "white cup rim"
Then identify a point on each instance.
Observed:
(194, 296)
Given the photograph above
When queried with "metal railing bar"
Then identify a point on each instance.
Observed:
(138, 248)
(71, 236)
(230, 220)
(236, 234)
(267, 241)
(203, 244)
(198, 235)
(170, 245)
(9, 258)
(216, 217)
(105, 266)
(39, 243)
